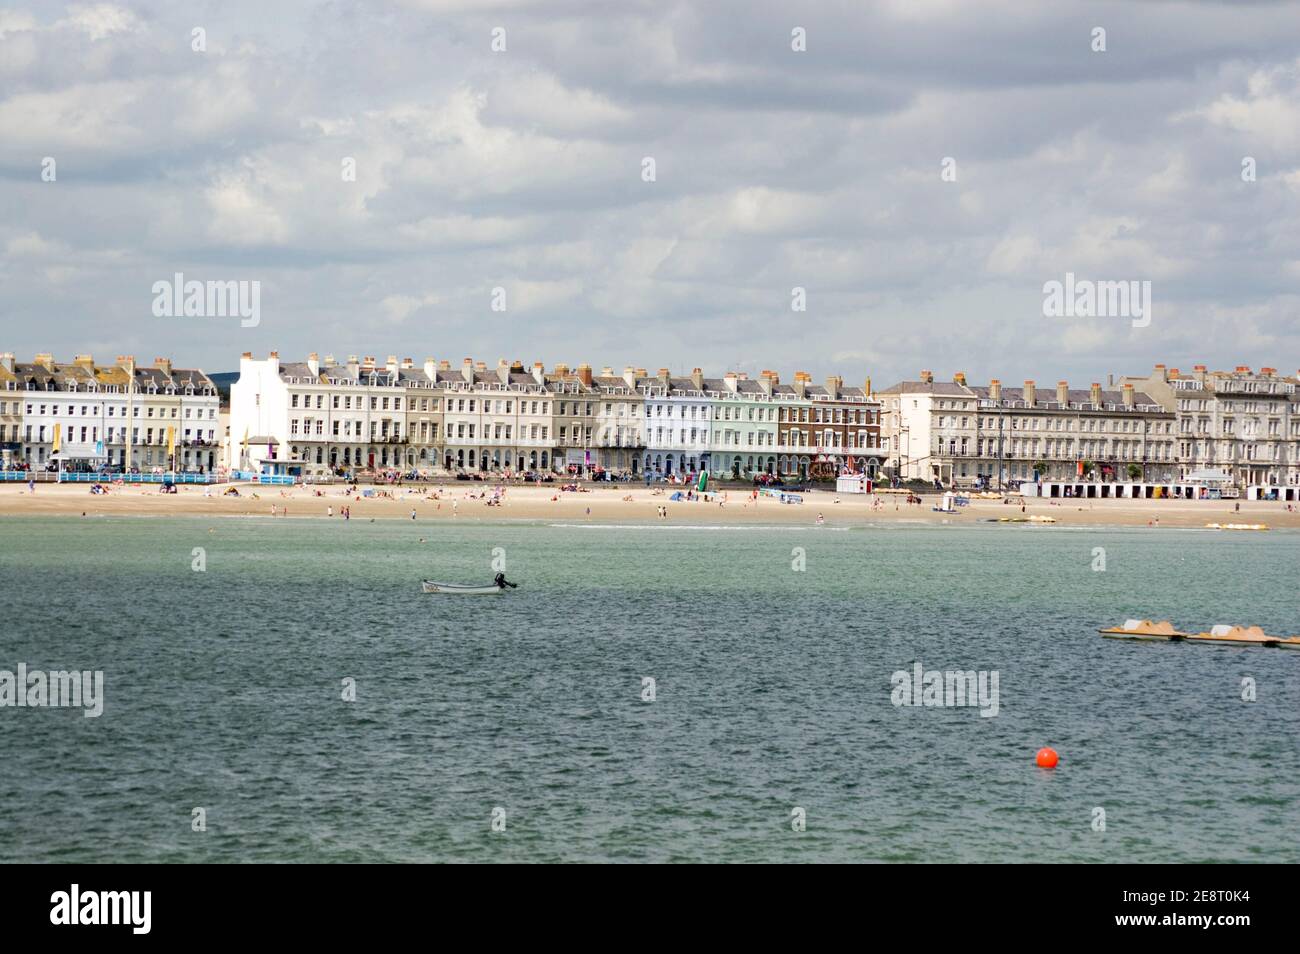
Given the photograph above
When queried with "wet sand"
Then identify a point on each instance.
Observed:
(606, 505)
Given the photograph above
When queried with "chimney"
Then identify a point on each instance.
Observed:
(1173, 374)
(1268, 372)
(1031, 393)
(7, 361)
(1063, 393)
(834, 386)
(480, 366)
(273, 359)
(629, 376)
(664, 377)
(407, 364)
(697, 378)
(313, 364)
(606, 372)
(730, 379)
(503, 371)
(84, 361)
(800, 384)
(444, 368)
(354, 366)
(430, 369)
(329, 361)
(1242, 369)
(539, 372)
(467, 370)
(1096, 394)
(867, 390)
(927, 377)
(959, 378)
(1161, 372)
(46, 361)
(584, 374)
(766, 383)
(995, 391)
(1127, 391)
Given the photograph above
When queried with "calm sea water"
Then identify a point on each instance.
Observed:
(223, 690)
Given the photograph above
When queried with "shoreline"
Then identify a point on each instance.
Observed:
(621, 505)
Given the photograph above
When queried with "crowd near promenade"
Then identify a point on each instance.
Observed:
(577, 502)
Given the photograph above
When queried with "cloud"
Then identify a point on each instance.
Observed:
(775, 168)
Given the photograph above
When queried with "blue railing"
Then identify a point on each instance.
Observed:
(253, 477)
(47, 477)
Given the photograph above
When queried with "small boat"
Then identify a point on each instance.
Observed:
(1144, 629)
(1225, 635)
(461, 589)
(1222, 635)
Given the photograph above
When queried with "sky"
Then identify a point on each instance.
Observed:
(920, 169)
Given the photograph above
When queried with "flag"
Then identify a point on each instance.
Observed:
(171, 440)
(58, 434)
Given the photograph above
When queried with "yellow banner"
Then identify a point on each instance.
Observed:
(58, 435)
(171, 440)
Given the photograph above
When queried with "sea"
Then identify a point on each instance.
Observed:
(282, 690)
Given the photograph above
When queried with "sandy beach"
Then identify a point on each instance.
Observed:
(618, 504)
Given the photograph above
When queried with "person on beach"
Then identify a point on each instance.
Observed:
(412, 513)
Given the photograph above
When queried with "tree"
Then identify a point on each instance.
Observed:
(1134, 472)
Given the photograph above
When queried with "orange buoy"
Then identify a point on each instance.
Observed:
(1047, 758)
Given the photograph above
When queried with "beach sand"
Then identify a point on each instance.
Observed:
(606, 505)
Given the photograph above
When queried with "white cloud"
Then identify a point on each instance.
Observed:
(100, 20)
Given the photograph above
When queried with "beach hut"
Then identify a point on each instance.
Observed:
(852, 484)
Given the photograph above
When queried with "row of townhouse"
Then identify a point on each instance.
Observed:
(1242, 422)
(318, 417)
(84, 416)
(1151, 429)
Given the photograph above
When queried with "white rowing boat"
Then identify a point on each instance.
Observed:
(461, 589)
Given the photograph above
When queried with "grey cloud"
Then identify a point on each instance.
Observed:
(775, 169)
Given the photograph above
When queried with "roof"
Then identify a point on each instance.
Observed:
(1076, 398)
(943, 388)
